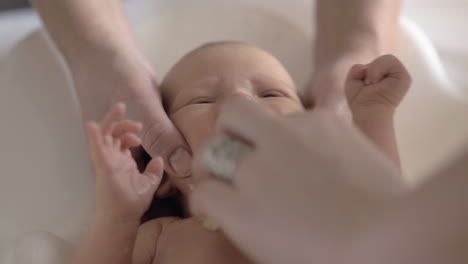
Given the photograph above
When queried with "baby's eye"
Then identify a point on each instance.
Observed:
(272, 94)
(202, 100)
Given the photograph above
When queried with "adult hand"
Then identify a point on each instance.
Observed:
(128, 79)
(309, 186)
(107, 67)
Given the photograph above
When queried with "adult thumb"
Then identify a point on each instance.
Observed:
(163, 139)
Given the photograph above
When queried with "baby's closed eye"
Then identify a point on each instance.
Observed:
(202, 100)
(269, 94)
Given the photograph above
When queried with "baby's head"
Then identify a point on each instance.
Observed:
(199, 84)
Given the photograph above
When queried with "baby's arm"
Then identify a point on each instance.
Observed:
(373, 92)
(123, 194)
(108, 241)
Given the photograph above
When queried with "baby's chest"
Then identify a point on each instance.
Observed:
(186, 241)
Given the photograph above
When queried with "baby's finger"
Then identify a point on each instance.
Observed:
(357, 72)
(129, 140)
(355, 81)
(126, 126)
(95, 141)
(385, 66)
(154, 170)
(112, 117)
(117, 143)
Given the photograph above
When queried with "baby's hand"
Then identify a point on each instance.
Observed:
(378, 86)
(121, 190)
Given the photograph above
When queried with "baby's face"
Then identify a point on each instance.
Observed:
(197, 87)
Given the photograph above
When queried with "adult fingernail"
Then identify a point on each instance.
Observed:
(181, 162)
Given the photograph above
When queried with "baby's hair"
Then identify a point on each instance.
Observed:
(214, 44)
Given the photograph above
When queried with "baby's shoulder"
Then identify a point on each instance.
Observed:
(158, 224)
(147, 239)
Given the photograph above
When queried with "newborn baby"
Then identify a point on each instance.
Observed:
(193, 92)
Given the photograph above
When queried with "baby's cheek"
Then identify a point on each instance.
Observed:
(196, 124)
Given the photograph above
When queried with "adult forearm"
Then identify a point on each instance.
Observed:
(355, 26)
(85, 27)
(100, 51)
(108, 241)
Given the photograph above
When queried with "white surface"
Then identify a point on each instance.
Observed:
(46, 182)
(432, 143)
(444, 22)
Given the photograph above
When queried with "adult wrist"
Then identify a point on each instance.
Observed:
(360, 48)
(101, 55)
(346, 32)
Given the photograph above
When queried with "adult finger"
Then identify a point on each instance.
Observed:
(249, 121)
(161, 138)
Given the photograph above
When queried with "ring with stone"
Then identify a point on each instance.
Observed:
(223, 155)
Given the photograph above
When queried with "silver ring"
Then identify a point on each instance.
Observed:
(223, 155)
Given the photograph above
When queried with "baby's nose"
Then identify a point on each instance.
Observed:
(239, 94)
(246, 97)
